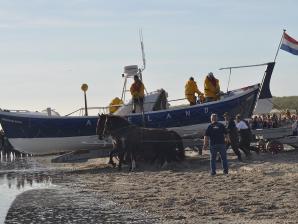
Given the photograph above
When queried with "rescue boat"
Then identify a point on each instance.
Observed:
(39, 133)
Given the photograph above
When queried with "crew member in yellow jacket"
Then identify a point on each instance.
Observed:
(137, 92)
(115, 104)
(211, 88)
(191, 89)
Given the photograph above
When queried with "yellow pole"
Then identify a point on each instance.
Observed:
(84, 88)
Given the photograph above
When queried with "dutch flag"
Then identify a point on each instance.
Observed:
(289, 44)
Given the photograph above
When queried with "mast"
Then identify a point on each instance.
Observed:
(281, 39)
(132, 70)
(141, 70)
(142, 49)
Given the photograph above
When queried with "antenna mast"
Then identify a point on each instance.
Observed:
(142, 48)
(131, 70)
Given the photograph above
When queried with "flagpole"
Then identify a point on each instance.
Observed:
(282, 37)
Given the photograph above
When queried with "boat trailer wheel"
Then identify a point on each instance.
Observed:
(274, 146)
(261, 145)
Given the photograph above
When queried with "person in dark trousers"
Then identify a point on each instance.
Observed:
(215, 137)
(137, 93)
(244, 134)
(233, 135)
(2, 139)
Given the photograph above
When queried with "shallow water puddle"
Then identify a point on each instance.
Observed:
(15, 179)
(28, 195)
(12, 184)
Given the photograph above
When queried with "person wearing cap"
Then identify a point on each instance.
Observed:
(191, 89)
(233, 135)
(211, 88)
(215, 137)
(137, 92)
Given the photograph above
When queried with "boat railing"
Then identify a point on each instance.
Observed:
(174, 103)
(105, 110)
(15, 111)
(81, 111)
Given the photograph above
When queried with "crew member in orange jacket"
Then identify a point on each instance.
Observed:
(137, 92)
(211, 88)
(191, 89)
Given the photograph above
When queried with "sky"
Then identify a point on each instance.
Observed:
(50, 47)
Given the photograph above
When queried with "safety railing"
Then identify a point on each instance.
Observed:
(81, 111)
(105, 110)
(16, 111)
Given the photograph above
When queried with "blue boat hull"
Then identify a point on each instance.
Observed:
(17, 125)
(39, 134)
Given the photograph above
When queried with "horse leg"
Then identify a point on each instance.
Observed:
(165, 164)
(163, 161)
(113, 152)
(133, 165)
(133, 162)
(154, 158)
(121, 156)
(162, 158)
(111, 158)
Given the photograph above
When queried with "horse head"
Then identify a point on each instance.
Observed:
(114, 125)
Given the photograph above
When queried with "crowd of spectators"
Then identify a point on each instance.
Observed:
(275, 121)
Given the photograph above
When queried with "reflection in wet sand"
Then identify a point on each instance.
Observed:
(28, 195)
(24, 180)
(15, 179)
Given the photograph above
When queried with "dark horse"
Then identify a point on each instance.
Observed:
(138, 143)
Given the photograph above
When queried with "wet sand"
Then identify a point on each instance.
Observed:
(46, 193)
(70, 206)
(263, 189)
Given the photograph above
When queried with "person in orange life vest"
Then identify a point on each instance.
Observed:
(137, 92)
(211, 88)
(191, 89)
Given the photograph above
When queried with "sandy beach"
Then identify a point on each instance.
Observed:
(263, 189)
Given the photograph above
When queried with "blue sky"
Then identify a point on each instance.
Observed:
(50, 47)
